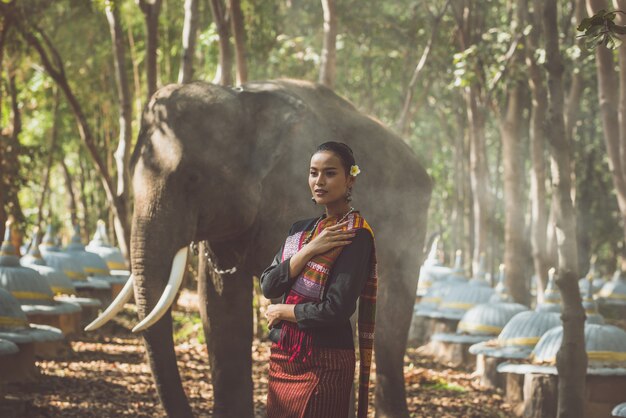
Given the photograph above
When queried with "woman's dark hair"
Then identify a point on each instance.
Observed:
(343, 151)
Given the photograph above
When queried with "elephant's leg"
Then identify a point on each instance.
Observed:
(395, 299)
(226, 310)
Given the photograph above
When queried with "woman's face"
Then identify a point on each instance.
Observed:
(327, 178)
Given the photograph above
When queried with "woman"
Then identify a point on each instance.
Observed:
(324, 266)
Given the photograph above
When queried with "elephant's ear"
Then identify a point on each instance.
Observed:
(271, 117)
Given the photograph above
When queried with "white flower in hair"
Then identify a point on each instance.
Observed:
(354, 170)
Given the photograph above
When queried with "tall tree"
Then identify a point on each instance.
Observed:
(151, 10)
(3, 41)
(571, 359)
(53, 64)
(470, 16)
(536, 81)
(239, 33)
(125, 102)
(514, 231)
(612, 97)
(403, 121)
(221, 17)
(49, 165)
(71, 195)
(10, 153)
(328, 64)
(190, 34)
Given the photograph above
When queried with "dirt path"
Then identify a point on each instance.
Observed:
(106, 376)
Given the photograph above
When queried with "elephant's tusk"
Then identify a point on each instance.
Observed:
(115, 306)
(169, 293)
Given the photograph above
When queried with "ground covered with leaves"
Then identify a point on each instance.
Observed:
(106, 375)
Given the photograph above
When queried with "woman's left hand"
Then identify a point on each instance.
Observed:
(279, 312)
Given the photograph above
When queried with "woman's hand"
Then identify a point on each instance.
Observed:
(330, 238)
(279, 312)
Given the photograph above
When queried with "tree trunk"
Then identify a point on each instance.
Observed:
(539, 210)
(136, 75)
(479, 176)
(608, 90)
(220, 16)
(151, 10)
(3, 214)
(514, 231)
(190, 34)
(11, 152)
(122, 153)
(571, 361)
(51, 149)
(69, 185)
(402, 123)
(239, 32)
(57, 72)
(328, 64)
(470, 26)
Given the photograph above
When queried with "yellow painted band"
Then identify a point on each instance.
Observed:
(9, 321)
(113, 265)
(464, 326)
(431, 300)
(519, 341)
(606, 356)
(31, 295)
(95, 270)
(74, 275)
(458, 305)
(6, 253)
(615, 296)
(595, 355)
(62, 290)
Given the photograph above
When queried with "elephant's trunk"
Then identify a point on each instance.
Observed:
(153, 249)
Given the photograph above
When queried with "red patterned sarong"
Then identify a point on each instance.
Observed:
(317, 388)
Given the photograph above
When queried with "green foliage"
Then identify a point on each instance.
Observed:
(442, 384)
(378, 46)
(601, 29)
(187, 325)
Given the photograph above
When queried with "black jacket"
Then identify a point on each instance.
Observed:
(329, 319)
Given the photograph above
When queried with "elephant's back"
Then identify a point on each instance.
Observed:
(375, 146)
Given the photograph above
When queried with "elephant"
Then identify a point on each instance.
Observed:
(227, 167)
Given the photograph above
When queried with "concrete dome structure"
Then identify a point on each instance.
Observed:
(64, 262)
(590, 305)
(489, 318)
(461, 298)
(519, 336)
(502, 293)
(62, 287)
(597, 280)
(432, 271)
(552, 296)
(94, 266)
(605, 345)
(14, 325)
(30, 288)
(480, 276)
(101, 246)
(614, 291)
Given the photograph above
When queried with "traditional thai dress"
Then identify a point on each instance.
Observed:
(312, 364)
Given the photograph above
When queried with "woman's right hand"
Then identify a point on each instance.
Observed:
(330, 238)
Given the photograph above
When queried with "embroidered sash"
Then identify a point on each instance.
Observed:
(309, 287)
